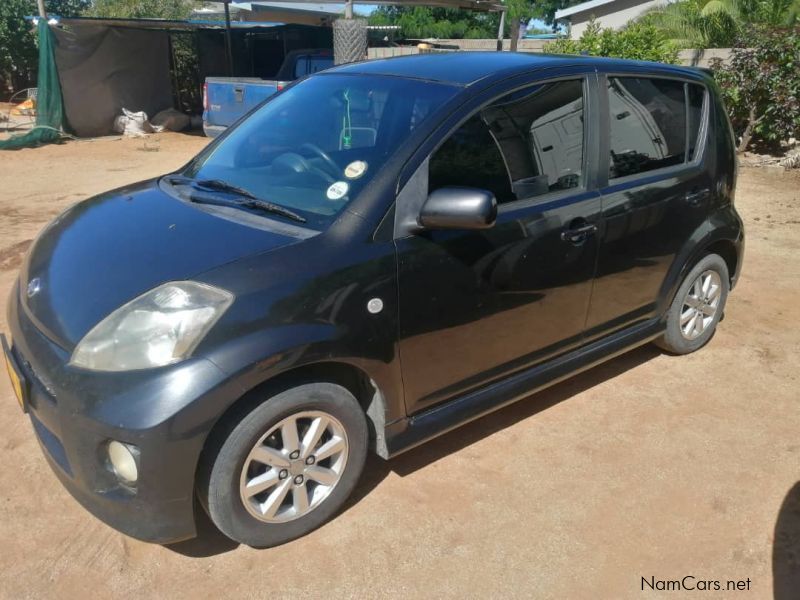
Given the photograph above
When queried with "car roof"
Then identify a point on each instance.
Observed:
(467, 68)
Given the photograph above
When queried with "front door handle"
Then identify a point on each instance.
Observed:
(577, 234)
(697, 197)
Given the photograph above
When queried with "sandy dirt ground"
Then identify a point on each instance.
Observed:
(648, 466)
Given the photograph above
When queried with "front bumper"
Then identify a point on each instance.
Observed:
(167, 413)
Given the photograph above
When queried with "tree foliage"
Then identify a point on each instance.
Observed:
(17, 48)
(64, 8)
(639, 41)
(18, 54)
(718, 23)
(761, 86)
(141, 9)
(446, 23)
(546, 9)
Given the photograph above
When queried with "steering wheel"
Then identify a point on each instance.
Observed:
(337, 172)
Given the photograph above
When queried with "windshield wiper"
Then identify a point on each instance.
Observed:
(223, 186)
(252, 201)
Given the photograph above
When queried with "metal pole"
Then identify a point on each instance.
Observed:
(42, 12)
(228, 45)
(500, 30)
(348, 9)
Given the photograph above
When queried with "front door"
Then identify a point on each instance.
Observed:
(476, 305)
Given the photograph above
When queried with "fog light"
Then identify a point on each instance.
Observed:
(123, 461)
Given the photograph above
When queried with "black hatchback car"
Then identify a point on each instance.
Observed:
(377, 254)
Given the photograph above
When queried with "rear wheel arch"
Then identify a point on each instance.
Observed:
(723, 247)
(727, 250)
(693, 253)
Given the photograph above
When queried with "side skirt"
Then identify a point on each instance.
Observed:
(407, 433)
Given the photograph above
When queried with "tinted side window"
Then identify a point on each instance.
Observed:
(696, 95)
(311, 64)
(647, 124)
(540, 132)
(526, 144)
(470, 158)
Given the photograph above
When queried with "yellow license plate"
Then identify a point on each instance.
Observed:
(15, 382)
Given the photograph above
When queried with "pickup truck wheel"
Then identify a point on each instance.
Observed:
(697, 307)
(285, 467)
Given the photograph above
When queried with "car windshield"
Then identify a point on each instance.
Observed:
(314, 147)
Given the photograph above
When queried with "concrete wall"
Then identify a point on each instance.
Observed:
(695, 58)
(468, 45)
(703, 58)
(373, 53)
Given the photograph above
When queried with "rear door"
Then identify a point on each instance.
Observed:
(656, 190)
(477, 305)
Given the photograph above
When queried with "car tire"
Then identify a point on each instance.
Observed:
(698, 306)
(254, 449)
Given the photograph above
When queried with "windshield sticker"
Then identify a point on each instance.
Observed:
(337, 190)
(355, 169)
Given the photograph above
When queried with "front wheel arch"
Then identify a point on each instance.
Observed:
(229, 459)
(350, 377)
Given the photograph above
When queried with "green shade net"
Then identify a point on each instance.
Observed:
(49, 106)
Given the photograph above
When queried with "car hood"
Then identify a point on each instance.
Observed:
(103, 252)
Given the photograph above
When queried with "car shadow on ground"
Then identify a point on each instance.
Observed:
(210, 541)
(786, 548)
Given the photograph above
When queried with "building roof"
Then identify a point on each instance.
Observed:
(162, 24)
(582, 7)
(315, 7)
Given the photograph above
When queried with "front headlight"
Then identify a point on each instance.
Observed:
(158, 328)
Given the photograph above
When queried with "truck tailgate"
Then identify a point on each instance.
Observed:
(228, 98)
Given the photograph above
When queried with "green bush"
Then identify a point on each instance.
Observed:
(761, 87)
(639, 41)
(718, 23)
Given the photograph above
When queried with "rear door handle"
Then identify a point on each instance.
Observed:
(578, 234)
(697, 197)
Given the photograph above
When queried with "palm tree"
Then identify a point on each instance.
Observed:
(717, 23)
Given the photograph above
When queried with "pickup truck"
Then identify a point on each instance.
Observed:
(227, 99)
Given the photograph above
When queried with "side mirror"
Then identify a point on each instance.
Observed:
(458, 208)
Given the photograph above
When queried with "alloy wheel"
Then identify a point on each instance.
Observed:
(294, 467)
(700, 304)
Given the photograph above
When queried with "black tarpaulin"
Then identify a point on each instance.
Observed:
(105, 69)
